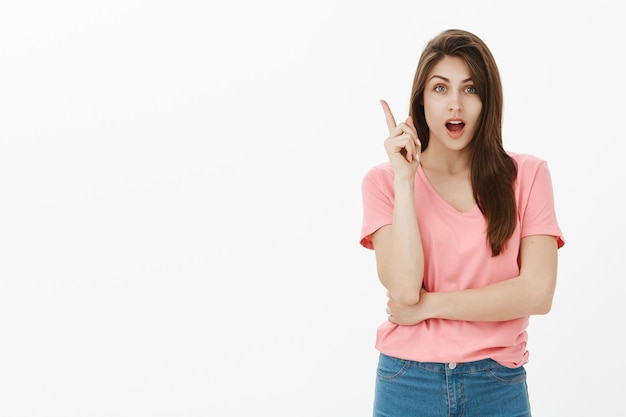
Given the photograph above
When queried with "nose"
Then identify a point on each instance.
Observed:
(455, 102)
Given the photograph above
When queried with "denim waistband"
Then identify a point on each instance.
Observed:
(462, 367)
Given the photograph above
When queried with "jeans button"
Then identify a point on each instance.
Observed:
(452, 365)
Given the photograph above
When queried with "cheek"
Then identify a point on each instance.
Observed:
(477, 107)
(430, 114)
(477, 114)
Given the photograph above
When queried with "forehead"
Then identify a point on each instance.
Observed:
(452, 68)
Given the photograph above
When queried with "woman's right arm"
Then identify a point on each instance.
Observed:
(398, 246)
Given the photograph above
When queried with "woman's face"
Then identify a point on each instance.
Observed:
(451, 104)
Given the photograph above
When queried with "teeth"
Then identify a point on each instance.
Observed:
(455, 123)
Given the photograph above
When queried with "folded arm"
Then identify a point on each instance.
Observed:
(530, 293)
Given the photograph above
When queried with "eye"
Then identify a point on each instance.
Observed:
(470, 90)
(440, 88)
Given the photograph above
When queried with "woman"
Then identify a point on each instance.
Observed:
(465, 237)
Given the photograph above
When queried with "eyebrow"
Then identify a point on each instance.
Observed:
(447, 80)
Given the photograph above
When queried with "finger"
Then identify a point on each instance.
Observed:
(404, 128)
(408, 144)
(403, 144)
(409, 121)
(391, 121)
(409, 147)
(411, 125)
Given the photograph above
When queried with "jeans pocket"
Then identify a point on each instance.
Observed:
(390, 368)
(507, 375)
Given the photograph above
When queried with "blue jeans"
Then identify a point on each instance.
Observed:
(426, 389)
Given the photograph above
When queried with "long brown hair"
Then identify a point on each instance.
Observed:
(492, 171)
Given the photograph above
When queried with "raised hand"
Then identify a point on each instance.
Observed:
(402, 146)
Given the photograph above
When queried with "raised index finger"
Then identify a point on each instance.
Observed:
(391, 122)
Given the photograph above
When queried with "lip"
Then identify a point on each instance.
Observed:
(458, 132)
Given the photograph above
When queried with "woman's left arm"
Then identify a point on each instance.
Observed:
(530, 293)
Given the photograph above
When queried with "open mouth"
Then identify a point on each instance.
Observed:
(455, 126)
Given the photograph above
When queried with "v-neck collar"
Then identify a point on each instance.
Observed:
(473, 211)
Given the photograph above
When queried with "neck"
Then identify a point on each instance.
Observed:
(448, 162)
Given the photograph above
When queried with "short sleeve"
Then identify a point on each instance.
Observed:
(377, 194)
(537, 210)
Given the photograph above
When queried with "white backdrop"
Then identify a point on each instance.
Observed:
(180, 198)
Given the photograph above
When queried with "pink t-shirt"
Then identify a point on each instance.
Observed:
(458, 256)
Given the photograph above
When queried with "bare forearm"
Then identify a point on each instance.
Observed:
(400, 256)
(528, 294)
(506, 300)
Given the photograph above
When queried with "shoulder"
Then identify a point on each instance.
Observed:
(533, 176)
(383, 168)
(382, 172)
(526, 160)
(528, 165)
